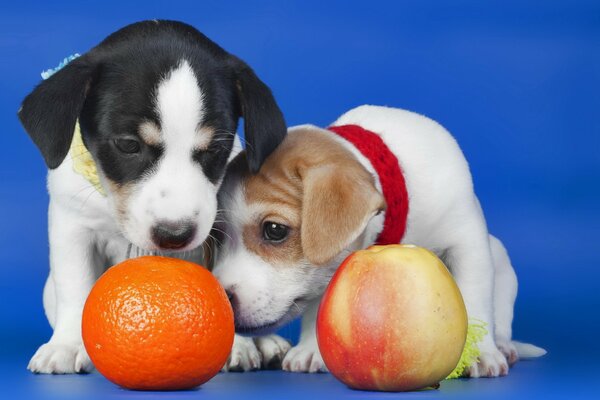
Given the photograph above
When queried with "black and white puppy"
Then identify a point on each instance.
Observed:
(158, 105)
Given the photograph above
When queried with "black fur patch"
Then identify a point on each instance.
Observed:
(112, 90)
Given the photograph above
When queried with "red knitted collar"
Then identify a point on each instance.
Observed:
(390, 175)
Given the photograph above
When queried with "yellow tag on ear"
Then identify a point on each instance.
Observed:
(83, 163)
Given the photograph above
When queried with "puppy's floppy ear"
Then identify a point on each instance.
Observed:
(338, 202)
(264, 125)
(49, 113)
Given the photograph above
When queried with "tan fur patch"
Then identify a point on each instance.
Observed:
(203, 137)
(150, 133)
(318, 188)
(284, 254)
(121, 194)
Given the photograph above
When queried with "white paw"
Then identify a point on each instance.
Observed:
(60, 358)
(244, 355)
(509, 350)
(491, 364)
(305, 357)
(273, 349)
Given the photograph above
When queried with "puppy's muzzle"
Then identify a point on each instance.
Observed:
(173, 235)
(233, 299)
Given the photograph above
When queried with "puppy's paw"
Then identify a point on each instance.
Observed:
(244, 356)
(305, 357)
(60, 358)
(491, 364)
(273, 349)
(509, 350)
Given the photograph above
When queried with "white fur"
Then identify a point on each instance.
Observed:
(306, 357)
(444, 216)
(273, 349)
(168, 194)
(83, 236)
(250, 354)
(86, 235)
(262, 290)
(444, 213)
(180, 105)
(244, 355)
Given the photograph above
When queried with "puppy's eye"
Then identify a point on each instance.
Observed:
(128, 146)
(274, 232)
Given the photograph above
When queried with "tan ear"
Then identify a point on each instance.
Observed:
(338, 201)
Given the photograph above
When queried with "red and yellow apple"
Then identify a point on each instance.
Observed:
(392, 319)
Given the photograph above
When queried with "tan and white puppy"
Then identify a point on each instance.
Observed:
(317, 198)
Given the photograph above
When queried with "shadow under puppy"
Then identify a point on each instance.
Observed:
(151, 112)
(378, 175)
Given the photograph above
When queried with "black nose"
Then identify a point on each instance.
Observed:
(173, 235)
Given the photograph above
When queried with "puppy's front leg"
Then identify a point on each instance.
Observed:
(472, 266)
(248, 354)
(244, 355)
(305, 356)
(72, 274)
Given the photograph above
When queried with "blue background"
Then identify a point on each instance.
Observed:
(517, 83)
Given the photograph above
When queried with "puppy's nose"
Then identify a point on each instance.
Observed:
(173, 235)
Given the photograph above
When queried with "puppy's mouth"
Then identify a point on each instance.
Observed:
(136, 251)
(293, 311)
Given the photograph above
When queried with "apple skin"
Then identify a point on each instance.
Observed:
(391, 319)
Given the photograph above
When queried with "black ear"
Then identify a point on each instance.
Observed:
(49, 113)
(264, 126)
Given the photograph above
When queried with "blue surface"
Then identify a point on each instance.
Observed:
(517, 83)
(524, 382)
